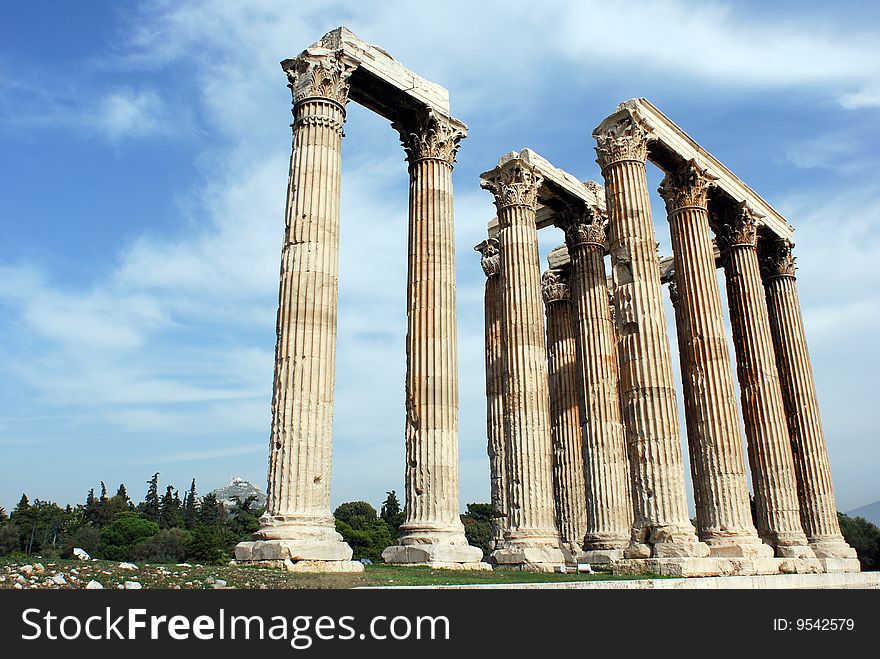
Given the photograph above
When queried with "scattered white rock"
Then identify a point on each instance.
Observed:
(210, 580)
(561, 569)
(585, 568)
(219, 583)
(94, 585)
(120, 587)
(81, 554)
(132, 585)
(39, 569)
(27, 569)
(127, 566)
(59, 579)
(18, 586)
(2, 578)
(184, 565)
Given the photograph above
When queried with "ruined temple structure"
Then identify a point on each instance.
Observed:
(584, 439)
(298, 529)
(583, 431)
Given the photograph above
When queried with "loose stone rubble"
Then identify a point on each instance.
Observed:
(583, 436)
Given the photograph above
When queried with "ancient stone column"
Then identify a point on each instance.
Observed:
(813, 473)
(491, 262)
(432, 532)
(565, 413)
(724, 517)
(531, 539)
(661, 527)
(297, 525)
(773, 477)
(606, 465)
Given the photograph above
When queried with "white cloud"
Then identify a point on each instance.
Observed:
(131, 113)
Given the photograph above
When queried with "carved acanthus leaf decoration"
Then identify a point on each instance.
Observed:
(686, 186)
(554, 286)
(778, 259)
(324, 76)
(583, 226)
(738, 226)
(491, 257)
(433, 136)
(626, 139)
(515, 183)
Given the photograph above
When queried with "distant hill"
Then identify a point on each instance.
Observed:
(239, 487)
(871, 512)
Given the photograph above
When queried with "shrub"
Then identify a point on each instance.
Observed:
(359, 515)
(206, 545)
(167, 546)
(125, 531)
(368, 542)
(84, 537)
(10, 539)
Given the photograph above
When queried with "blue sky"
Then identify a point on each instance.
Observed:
(143, 165)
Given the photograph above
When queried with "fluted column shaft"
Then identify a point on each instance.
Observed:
(531, 535)
(606, 465)
(565, 414)
(647, 385)
(719, 472)
(432, 517)
(812, 470)
(491, 262)
(773, 477)
(300, 459)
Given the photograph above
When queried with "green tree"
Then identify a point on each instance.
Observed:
(207, 544)
(121, 492)
(368, 541)
(190, 507)
(167, 546)
(357, 514)
(10, 539)
(391, 513)
(170, 513)
(125, 531)
(85, 537)
(150, 506)
(864, 537)
(211, 511)
(41, 524)
(477, 523)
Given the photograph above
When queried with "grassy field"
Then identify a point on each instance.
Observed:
(76, 574)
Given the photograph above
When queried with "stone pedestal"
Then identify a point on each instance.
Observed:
(491, 263)
(647, 388)
(606, 465)
(297, 525)
(531, 540)
(565, 413)
(773, 478)
(813, 473)
(717, 461)
(432, 531)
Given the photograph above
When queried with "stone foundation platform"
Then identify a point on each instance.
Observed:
(714, 566)
(298, 555)
(438, 555)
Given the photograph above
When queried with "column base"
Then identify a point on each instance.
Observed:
(439, 548)
(312, 541)
(307, 566)
(837, 565)
(600, 556)
(794, 551)
(738, 546)
(531, 555)
(834, 548)
(668, 549)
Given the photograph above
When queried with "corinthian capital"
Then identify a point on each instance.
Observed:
(431, 135)
(514, 183)
(490, 257)
(323, 76)
(778, 259)
(624, 139)
(554, 286)
(583, 226)
(686, 186)
(738, 227)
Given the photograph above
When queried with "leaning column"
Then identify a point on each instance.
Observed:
(565, 431)
(297, 528)
(770, 458)
(818, 508)
(531, 540)
(661, 527)
(432, 532)
(608, 500)
(724, 515)
(491, 263)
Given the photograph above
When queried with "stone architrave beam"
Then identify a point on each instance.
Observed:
(669, 147)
